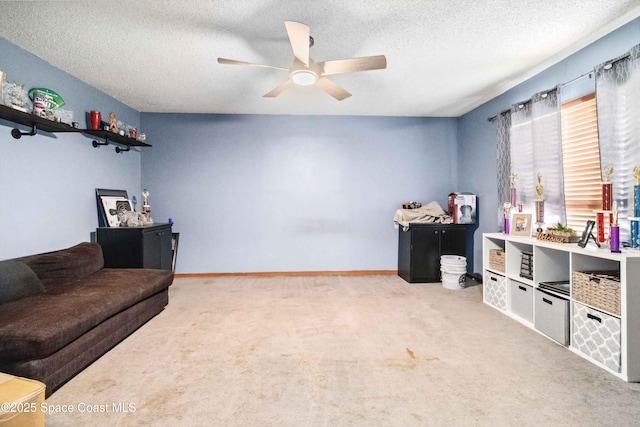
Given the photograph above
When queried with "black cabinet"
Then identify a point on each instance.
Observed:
(420, 248)
(136, 247)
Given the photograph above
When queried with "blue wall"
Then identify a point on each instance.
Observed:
(292, 193)
(48, 182)
(477, 136)
(258, 193)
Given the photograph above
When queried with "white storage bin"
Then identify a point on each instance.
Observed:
(596, 335)
(522, 300)
(495, 290)
(552, 316)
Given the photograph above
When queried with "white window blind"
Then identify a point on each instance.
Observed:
(581, 155)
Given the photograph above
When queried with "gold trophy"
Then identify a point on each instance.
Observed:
(146, 209)
(514, 198)
(539, 204)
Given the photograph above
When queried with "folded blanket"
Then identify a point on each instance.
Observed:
(429, 213)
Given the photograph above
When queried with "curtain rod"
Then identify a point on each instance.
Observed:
(611, 61)
(577, 78)
(499, 114)
(492, 118)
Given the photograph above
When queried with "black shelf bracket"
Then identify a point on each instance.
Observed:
(17, 133)
(97, 144)
(122, 150)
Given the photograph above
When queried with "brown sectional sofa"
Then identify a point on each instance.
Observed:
(70, 310)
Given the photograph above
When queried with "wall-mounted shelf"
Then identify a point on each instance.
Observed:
(37, 123)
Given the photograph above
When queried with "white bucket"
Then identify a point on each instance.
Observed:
(453, 269)
(452, 280)
(453, 260)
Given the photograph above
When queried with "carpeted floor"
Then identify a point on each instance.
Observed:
(338, 351)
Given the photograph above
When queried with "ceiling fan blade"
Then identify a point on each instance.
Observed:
(277, 91)
(299, 38)
(234, 62)
(332, 89)
(342, 66)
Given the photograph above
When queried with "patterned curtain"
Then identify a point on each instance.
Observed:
(536, 148)
(503, 162)
(618, 104)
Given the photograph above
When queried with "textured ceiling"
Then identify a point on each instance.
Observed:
(445, 57)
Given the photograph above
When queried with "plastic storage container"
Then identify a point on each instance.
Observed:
(21, 400)
(453, 269)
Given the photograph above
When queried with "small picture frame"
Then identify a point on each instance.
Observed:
(521, 224)
(109, 203)
(586, 234)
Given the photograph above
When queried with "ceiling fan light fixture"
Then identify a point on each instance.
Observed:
(304, 77)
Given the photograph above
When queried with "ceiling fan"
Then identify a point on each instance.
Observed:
(305, 72)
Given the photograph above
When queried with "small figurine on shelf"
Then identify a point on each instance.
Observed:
(113, 123)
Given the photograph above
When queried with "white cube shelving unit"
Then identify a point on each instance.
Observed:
(609, 340)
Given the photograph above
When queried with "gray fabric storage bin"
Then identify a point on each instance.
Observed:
(522, 300)
(552, 316)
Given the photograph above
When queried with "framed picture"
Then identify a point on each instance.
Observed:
(586, 234)
(109, 204)
(521, 224)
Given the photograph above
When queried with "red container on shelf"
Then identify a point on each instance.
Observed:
(95, 120)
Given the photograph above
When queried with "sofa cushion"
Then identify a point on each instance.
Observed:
(57, 267)
(17, 281)
(39, 325)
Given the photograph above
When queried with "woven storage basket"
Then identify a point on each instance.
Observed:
(599, 289)
(496, 260)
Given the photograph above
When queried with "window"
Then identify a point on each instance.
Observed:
(581, 158)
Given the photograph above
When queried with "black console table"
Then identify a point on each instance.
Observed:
(136, 247)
